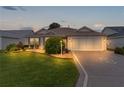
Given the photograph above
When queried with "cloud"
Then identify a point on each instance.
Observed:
(13, 8)
(9, 8)
(26, 28)
(63, 21)
(98, 25)
(21, 8)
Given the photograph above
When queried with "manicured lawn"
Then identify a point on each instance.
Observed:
(26, 69)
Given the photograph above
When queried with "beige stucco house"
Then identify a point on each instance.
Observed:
(83, 39)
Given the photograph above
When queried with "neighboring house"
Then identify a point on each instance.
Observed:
(115, 36)
(83, 39)
(14, 36)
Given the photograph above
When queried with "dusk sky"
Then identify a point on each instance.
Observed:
(37, 17)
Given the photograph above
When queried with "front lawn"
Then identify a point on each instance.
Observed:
(26, 69)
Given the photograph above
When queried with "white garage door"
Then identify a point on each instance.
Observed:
(96, 43)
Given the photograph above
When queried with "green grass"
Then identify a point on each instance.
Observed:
(26, 69)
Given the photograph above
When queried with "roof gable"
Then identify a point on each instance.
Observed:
(86, 29)
(117, 30)
(107, 31)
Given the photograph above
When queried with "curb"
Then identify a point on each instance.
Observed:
(82, 82)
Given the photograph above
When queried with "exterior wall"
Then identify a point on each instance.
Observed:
(115, 42)
(0, 43)
(87, 43)
(4, 41)
(24, 41)
(7, 41)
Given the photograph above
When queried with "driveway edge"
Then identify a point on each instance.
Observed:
(83, 78)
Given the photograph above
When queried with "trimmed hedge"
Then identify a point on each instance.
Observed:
(119, 50)
(53, 46)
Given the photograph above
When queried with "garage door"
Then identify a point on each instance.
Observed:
(96, 43)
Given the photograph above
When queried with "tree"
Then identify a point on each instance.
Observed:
(53, 45)
(54, 25)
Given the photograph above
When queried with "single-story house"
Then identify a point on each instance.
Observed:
(83, 39)
(115, 36)
(14, 36)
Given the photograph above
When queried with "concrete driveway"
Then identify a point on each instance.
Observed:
(104, 69)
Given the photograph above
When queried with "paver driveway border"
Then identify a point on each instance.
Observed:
(83, 77)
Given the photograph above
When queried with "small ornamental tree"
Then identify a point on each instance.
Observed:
(53, 45)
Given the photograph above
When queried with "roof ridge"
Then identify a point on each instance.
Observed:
(86, 28)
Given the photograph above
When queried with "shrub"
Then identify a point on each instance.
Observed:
(27, 46)
(123, 47)
(119, 50)
(66, 50)
(53, 45)
(11, 47)
(3, 51)
(20, 46)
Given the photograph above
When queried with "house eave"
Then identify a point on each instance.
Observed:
(115, 37)
(9, 37)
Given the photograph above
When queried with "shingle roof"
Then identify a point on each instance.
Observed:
(64, 31)
(41, 31)
(118, 29)
(16, 33)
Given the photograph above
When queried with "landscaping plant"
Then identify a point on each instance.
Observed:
(11, 47)
(119, 50)
(20, 46)
(53, 45)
